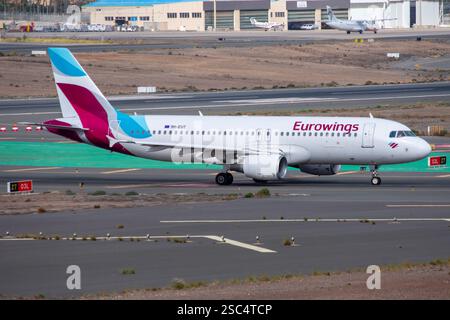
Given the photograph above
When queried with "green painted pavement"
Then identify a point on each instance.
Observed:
(79, 155)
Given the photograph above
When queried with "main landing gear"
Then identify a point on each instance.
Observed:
(375, 181)
(224, 178)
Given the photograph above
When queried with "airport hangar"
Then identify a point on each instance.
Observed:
(188, 15)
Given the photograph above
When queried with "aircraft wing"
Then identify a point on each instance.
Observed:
(248, 150)
(54, 126)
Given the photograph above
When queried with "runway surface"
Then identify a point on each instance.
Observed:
(414, 208)
(230, 102)
(29, 268)
(181, 40)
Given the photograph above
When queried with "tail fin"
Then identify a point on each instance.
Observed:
(330, 14)
(253, 21)
(81, 101)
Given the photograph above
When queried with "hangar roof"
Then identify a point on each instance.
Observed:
(130, 3)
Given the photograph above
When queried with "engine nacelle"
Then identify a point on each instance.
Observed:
(265, 167)
(320, 169)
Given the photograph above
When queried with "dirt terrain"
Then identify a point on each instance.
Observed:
(55, 201)
(405, 281)
(220, 68)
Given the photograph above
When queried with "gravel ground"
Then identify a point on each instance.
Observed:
(318, 64)
(55, 201)
(428, 281)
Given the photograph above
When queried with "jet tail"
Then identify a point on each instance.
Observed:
(87, 115)
(331, 16)
(82, 104)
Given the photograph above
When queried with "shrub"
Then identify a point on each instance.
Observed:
(131, 193)
(287, 242)
(178, 284)
(263, 193)
(98, 193)
(41, 210)
(127, 271)
(249, 195)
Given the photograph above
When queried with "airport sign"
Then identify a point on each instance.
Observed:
(437, 161)
(24, 186)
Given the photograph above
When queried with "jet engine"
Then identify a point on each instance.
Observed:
(320, 169)
(263, 167)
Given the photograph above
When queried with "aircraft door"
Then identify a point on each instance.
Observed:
(368, 135)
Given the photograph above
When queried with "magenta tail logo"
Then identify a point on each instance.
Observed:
(91, 113)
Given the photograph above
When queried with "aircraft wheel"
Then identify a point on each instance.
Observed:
(375, 31)
(224, 179)
(375, 181)
(229, 178)
(348, 32)
(221, 179)
(360, 31)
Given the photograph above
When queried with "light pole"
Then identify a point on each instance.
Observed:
(215, 12)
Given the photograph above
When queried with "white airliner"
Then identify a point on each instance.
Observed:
(262, 148)
(352, 25)
(266, 25)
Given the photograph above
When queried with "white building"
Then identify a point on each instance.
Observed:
(389, 13)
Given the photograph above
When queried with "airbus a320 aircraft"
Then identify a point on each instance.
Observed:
(266, 25)
(351, 25)
(262, 148)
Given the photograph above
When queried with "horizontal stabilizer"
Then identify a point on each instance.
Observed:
(53, 126)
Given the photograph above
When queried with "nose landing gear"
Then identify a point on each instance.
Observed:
(375, 181)
(224, 178)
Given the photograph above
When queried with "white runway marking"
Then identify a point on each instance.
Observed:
(232, 104)
(306, 220)
(346, 172)
(240, 244)
(125, 186)
(417, 205)
(119, 171)
(32, 169)
(443, 176)
(150, 238)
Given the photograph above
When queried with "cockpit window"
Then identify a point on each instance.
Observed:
(400, 134)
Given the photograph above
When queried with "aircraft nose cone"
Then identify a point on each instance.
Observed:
(422, 148)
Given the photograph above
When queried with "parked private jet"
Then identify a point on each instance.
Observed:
(266, 25)
(260, 147)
